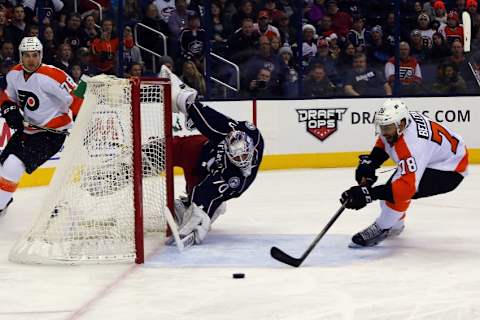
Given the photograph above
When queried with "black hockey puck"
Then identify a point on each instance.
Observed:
(238, 275)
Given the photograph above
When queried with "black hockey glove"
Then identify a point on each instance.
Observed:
(11, 112)
(366, 171)
(356, 197)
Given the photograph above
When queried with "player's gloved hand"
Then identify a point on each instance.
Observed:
(11, 112)
(365, 172)
(356, 197)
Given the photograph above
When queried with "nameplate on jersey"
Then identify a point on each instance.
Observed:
(422, 125)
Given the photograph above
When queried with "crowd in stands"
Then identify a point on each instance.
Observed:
(283, 48)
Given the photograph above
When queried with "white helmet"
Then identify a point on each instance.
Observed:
(30, 44)
(392, 111)
(239, 149)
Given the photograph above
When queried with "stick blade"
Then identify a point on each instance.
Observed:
(281, 256)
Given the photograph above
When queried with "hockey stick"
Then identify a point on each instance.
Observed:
(182, 243)
(281, 256)
(28, 124)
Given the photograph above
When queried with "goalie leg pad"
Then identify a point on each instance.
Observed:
(196, 221)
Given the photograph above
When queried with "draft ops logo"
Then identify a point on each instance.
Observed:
(321, 123)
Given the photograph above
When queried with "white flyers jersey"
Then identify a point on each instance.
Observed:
(45, 96)
(423, 144)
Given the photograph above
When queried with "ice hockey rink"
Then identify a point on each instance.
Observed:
(432, 271)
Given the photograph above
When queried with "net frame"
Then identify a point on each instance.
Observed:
(42, 248)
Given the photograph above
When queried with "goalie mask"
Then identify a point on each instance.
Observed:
(392, 112)
(30, 44)
(239, 149)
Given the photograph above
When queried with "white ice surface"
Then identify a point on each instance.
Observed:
(432, 271)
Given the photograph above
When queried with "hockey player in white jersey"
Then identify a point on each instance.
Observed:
(430, 158)
(39, 105)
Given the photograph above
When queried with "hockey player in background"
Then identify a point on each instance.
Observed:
(430, 158)
(218, 166)
(38, 104)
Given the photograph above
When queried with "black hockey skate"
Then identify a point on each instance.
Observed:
(373, 235)
(4, 210)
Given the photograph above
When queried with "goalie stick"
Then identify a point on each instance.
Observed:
(281, 256)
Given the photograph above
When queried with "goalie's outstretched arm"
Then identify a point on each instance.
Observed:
(211, 123)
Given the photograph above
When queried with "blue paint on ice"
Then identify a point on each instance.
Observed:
(245, 250)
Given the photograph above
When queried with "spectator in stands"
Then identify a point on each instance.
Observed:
(317, 84)
(242, 44)
(288, 72)
(88, 7)
(7, 52)
(132, 12)
(49, 45)
(273, 12)
(72, 33)
(32, 31)
(193, 78)
(275, 44)
(426, 32)
(150, 39)
(452, 31)
(131, 53)
(263, 59)
(52, 10)
(85, 61)
(164, 9)
(378, 50)
(104, 49)
(439, 13)
(440, 49)
(64, 57)
(76, 72)
(410, 72)
(262, 86)
(429, 8)
(264, 27)
(341, 21)
(345, 59)
(309, 45)
(325, 29)
(364, 81)
(89, 31)
(192, 42)
(17, 27)
(3, 26)
(220, 29)
(449, 81)
(357, 35)
(418, 46)
(323, 57)
(460, 6)
(247, 10)
(472, 8)
(135, 70)
(315, 11)
(460, 62)
(168, 62)
(178, 20)
(287, 32)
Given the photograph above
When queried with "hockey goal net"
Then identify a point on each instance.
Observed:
(99, 203)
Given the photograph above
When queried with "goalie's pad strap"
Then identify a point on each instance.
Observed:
(7, 185)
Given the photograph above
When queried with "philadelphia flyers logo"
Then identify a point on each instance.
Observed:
(28, 100)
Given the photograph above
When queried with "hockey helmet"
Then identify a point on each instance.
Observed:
(239, 148)
(392, 111)
(30, 44)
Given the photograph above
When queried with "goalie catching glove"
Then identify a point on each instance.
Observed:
(13, 117)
